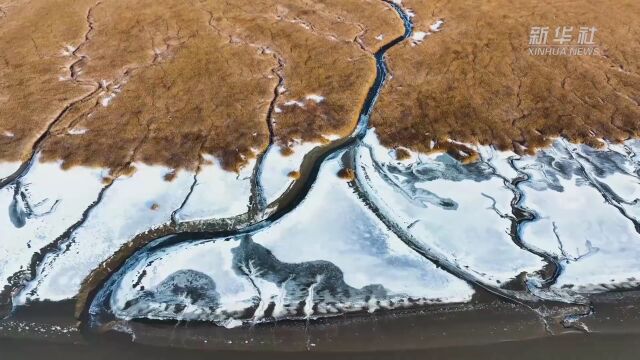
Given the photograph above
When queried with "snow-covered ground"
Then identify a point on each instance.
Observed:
(348, 246)
(8, 168)
(580, 221)
(190, 281)
(455, 211)
(39, 208)
(218, 193)
(328, 256)
(132, 205)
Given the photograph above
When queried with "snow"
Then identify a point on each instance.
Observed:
(332, 225)
(418, 36)
(8, 168)
(294, 102)
(498, 160)
(234, 293)
(315, 98)
(449, 208)
(616, 170)
(125, 211)
(218, 193)
(41, 206)
(436, 26)
(309, 254)
(77, 131)
(599, 247)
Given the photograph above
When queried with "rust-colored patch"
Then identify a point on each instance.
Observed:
(171, 175)
(286, 151)
(347, 174)
(402, 154)
(294, 174)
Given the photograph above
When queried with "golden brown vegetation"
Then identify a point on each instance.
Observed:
(475, 82)
(113, 82)
(402, 154)
(346, 174)
(294, 174)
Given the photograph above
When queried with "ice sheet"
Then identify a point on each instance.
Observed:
(132, 205)
(599, 247)
(39, 208)
(218, 193)
(328, 256)
(457, 211)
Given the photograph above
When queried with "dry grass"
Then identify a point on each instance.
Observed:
(402, 154)
(162, 82)
(475, 82)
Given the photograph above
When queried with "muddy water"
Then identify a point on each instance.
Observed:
(571, 346)
(480, 330)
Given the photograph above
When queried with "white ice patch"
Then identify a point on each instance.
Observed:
(218, 193)
(418, 36)
(131, 206)
(77, 131)
(8, 168)
(498, 160)
(39, 208)
(105, 100)
(67, 50)
(315, 98)
(333, 225)
(436, 26)
(454, 210)
(380, 37)
(233, 292)
(616, 171)
(294, 102)
(330, 252)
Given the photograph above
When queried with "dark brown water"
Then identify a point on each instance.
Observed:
(480, 330)
(570, 346)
